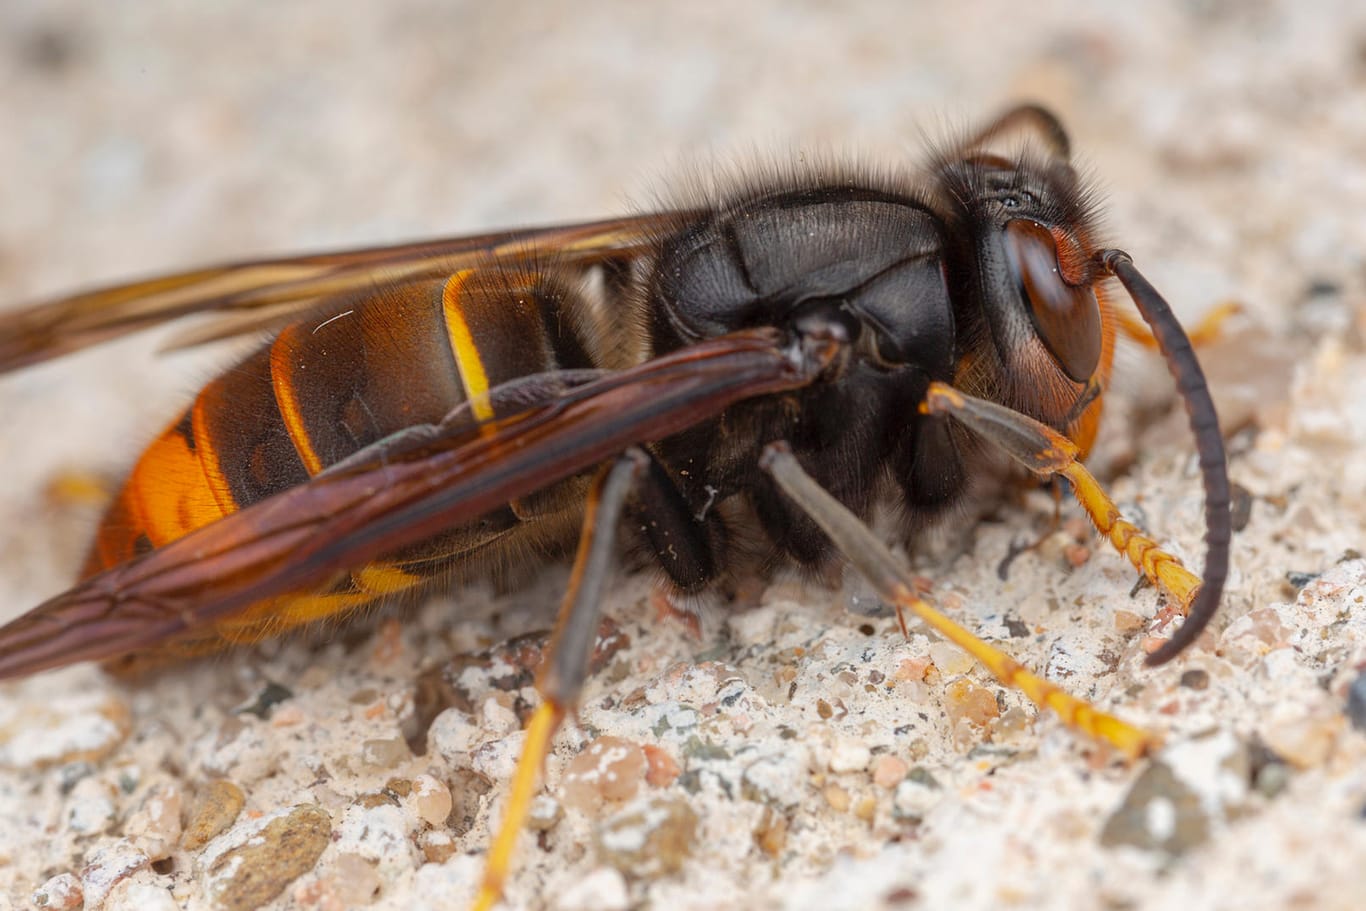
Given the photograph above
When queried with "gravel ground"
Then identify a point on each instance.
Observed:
(798, 754)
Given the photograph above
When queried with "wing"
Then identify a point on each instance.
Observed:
(266, 293)
(357, 513)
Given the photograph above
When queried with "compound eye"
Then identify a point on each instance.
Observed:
(1066, 317)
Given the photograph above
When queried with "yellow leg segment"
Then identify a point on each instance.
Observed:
(877, 564)
(1046, 452)
(1161, 568)
(1075, 713)
(539, 731)
(1206, 332)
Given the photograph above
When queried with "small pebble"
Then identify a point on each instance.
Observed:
(1195, 679)
(385, 753)
(888, 770)
(254, 872)
(353, 879)
(609, 768)
(662, 770)
(649, 838)
(1160, 813)
(1128, 622)
(1076, 555)
(771, 832)
(912, 669)
(437, 846)
(544, 812)
(431, 800)
(155, 826)
(950, 659)
(966, 701)
(217, 807)
(1305, 740)
(915, 796)
(62, 892)
(837, 797)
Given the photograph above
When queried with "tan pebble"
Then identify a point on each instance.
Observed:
(650, 837)
(912, 669)
(1264, 624)
(353, 879)
(888, 770)
(662, 769)
(431, 800)
(609, 768)
(62, 892)
(1076, 554)
(544, 813)
(437, 846)
(315, 894)
(250, 875)
(287, 715)
(1128, 621)
(950, 659)
(837, 797)
(1307, 741)
(965, 700)
(218, 805)
(371, 799)
(866, 808)
(155, 825)
(385, 752)
(771, 833)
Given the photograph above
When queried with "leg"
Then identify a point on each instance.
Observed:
(566, 667)
(1206, 332)
(893, 582)
(1047, 452)
(680, 537)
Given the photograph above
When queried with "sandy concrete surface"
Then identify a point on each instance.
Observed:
(798, 755)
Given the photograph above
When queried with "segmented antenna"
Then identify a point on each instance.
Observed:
(1209, 444)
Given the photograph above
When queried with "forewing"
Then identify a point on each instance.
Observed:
(253, 295)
